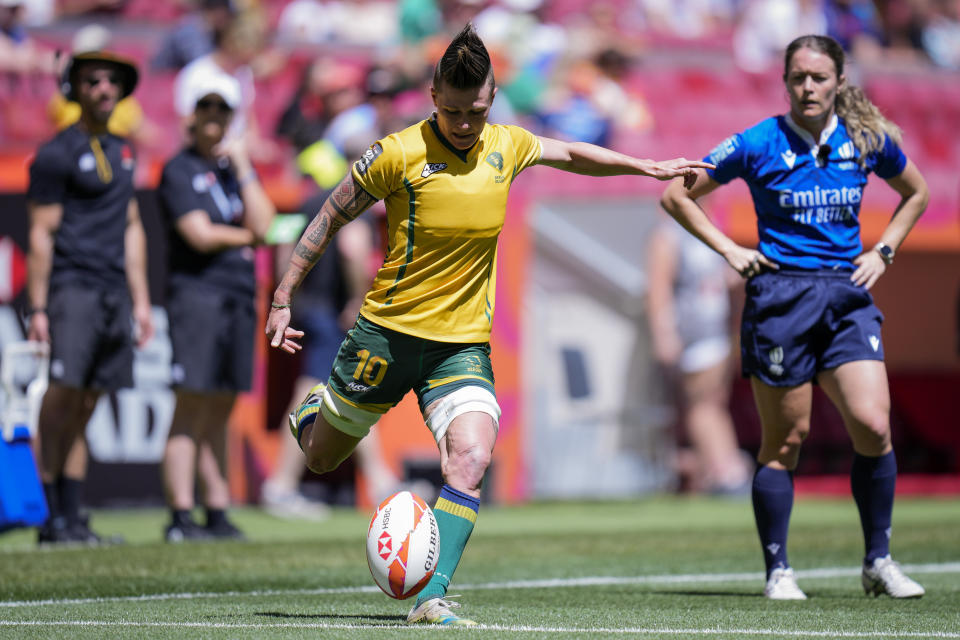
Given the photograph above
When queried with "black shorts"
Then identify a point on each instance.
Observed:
(798, 323)
(212, 335)
(91, 337)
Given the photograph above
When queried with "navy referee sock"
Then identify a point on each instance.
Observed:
(873, 481)
(772, 504)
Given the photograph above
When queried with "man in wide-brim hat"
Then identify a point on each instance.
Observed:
(126, 71)
(86, 277)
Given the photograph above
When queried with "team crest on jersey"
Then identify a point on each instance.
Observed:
(495, 160)
(126, 158)
(789, 157)
(432, 167)
(371, 154)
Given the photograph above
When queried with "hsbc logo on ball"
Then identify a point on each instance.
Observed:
(385, 545)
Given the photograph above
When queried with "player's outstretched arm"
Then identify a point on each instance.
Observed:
(346, 203)
(591, 160)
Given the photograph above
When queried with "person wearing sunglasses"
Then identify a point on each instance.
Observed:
(86, 275)
(216, 210)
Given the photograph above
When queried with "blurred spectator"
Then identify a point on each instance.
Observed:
(103, 7)
(626, 104)
(127, 119)
(87, 275)
(328, 89)
(902, 27)
(419, 19)
(855, 24)
(351, 22)
(594, 104)
(525, 51)
(570, 114)
(194, 36)
(307, 22)
(18, 52)
(688, 307)
(766, 27)
(36, 13)
(941, 35)
(216, 209)
(235, 48)
(688, 18)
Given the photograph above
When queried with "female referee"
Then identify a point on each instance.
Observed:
(809, 316)
(425, 322)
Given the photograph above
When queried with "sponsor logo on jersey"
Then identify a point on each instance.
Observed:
(722, 150)
(87, 162)
(789, 157)
(875, 342)
(495, 160)
(776, 359)
(371, 154)
(818, 197)
(356, 386)
(432, 167)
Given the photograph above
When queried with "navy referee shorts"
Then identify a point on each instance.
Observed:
(797, 323)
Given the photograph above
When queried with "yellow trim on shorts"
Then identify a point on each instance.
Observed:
(433, 384)
(455, 509)
(380, 408)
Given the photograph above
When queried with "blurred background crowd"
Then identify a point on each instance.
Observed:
(324, 78)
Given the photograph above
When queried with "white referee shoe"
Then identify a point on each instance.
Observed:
(884, 575)
(782, 585)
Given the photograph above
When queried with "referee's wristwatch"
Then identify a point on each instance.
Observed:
(886, 252)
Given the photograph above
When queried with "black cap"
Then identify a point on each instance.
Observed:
(125, 67)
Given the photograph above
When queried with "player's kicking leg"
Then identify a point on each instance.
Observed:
(465, 451)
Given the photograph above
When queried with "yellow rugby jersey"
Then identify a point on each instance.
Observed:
(445, 210)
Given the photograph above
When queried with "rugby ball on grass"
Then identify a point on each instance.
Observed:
(403, 544)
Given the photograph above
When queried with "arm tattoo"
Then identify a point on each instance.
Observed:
(345, 204)
(349, 200)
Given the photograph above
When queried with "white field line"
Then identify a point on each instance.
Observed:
(553, 583)
(406, 629)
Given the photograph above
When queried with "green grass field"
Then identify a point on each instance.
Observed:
(652, 568)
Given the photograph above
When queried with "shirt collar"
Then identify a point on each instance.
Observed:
(460, 153)
(805, 135)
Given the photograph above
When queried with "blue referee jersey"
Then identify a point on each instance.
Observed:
(806, 192)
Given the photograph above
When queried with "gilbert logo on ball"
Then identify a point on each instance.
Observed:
(403, 544)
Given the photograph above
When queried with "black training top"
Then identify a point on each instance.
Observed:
(92, 177)
(192, 182)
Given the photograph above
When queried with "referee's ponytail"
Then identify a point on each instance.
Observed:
(865, 124)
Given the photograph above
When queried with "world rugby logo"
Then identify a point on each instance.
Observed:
(776, 359)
